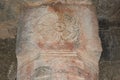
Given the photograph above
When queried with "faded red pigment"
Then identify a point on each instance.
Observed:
(58, 40)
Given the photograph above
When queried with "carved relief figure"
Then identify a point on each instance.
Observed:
(59, 31)
(58, 41)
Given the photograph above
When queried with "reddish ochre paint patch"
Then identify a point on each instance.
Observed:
(58, 7)
(41, 45)
(56, 46)
(69, 45)
(29, 70)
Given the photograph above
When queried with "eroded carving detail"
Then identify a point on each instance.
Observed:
(58, 40)
(57, 33)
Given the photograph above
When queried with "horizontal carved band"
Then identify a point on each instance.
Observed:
(59, 54)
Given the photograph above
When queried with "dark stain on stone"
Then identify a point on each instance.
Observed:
(42, 71)
(7, 57)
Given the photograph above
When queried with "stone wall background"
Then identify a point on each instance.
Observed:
(109, 21)
(108, 12)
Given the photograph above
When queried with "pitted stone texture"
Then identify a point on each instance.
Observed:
(110, 61)
(108, 9)
(8, 18)
(8, 67)
(60, 39)
(110, 70)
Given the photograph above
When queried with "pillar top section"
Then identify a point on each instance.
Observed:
(34, 3)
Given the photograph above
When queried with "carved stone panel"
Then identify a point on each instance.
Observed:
(56, 41)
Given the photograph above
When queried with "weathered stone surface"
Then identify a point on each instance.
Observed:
(106, 44)
(9, 10)
(108, 9)
(8, 59)
(116, 42)
(8, 18)
(60, 40)
(109, 70)
(8, 29)
(36, 3)
(105, 71)
(109, 64)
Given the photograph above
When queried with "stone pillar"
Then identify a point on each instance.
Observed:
(58, 40)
